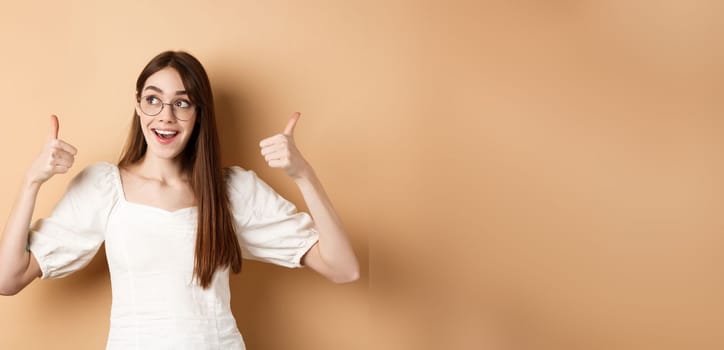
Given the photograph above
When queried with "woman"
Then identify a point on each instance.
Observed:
(173, 221)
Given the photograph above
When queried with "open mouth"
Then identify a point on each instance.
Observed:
(165, 136)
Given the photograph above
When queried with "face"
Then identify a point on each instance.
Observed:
(167, 132)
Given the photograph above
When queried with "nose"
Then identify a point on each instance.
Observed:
(166, 114)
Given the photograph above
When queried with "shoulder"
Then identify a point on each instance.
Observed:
(251, 196)
(100, 175)
(234, 172)
(239, 179)
(100, 168)
(245, 183)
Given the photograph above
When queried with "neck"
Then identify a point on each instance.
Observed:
(164, 170)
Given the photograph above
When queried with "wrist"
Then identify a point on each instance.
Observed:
(32, 183)
(305, 175)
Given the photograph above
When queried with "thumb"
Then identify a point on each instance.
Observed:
(54, 126)
(289, 130)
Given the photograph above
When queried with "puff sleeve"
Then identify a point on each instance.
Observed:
(268, 226)
(69, 238)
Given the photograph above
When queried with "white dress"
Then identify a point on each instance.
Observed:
(156, 304)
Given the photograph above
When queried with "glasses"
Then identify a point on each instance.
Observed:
(152, 105)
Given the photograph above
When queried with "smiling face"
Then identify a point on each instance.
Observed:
(167, 132)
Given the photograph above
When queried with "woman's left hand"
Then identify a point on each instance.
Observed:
(281, 152)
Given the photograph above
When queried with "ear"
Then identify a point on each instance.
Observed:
(136, 104)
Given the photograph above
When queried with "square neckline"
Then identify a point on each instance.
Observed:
(122, 196)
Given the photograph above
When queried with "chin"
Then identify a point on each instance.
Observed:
(169, 154)
(163, 153)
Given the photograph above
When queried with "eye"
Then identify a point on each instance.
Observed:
(182, 104)
(152, 100)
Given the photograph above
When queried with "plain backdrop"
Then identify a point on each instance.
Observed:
(513, 174)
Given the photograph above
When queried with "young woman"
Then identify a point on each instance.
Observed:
(173, 221)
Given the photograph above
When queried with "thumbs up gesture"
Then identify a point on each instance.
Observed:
(281, 152)
(56, 156)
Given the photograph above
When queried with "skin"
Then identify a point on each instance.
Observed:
(157, 180)
(17, 266)
(332, 256)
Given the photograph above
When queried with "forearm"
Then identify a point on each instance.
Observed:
(17, 269)
(334, 246)
(14, 257)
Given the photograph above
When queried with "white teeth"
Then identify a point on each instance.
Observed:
(166, 132)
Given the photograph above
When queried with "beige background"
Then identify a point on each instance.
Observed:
(514, 174)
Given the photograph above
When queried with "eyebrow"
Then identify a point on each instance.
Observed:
(151, 87)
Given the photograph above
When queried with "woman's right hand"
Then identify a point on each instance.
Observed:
(56, 157)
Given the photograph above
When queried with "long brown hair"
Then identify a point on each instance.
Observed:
(216, 242)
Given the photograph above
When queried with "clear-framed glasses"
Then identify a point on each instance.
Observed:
(152, 105)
